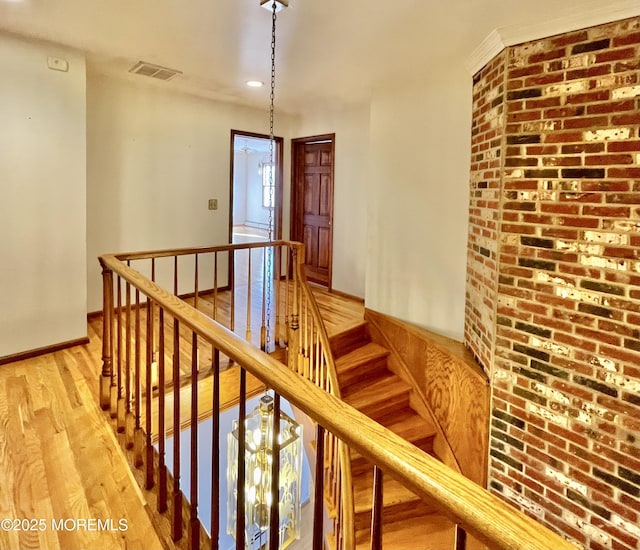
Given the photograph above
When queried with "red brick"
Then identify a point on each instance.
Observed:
(588, 97)
(547, 56)
(541, 103)
(605, 186)
(565, 112)
(597, 70)
(557, 208)
(563, 137)
(549, 78)
(615, 55)
(626, 119)
(633, 38)
(595, 160)
(573, 38)
(586, 122)
(619, 146)
(525, 71)
(612, 107)
(579, 222)
(606, 211)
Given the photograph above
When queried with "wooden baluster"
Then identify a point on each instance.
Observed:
(148, 394)
(176, 520)
(294, 326)
(338, 500)
(106, 378)
(319, 357)
(162, 468)
(154, 336)
(138, 442)
(274, 519)
(215, 285)
(277, 290)
(240, 504)
(175, 275)
(461, 538)
(248, 331)
(287, 290)
(120, 411)
(130, 420)
(376, 510)
(215, 453)
(194, 524)
(307, 329)
(195, 283)
(263, 324)
(318, 500)
(232, 283)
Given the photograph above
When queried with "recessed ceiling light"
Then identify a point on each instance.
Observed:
(255, 84)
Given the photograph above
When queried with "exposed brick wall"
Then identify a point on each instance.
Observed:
(565, 370)
(484, 213)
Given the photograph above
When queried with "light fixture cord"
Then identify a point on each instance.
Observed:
(269, 252)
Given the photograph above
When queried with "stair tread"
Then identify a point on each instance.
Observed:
(410, 427)
(378, 391)
(393, 493)
(433, 532)
(360, 356)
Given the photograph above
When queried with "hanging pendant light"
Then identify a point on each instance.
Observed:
(267, 455)
(258, 459)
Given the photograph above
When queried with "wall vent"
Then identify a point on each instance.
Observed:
(154, 71)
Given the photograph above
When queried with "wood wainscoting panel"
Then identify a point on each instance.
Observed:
(452, 384)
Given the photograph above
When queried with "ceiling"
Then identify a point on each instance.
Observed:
(328, 51)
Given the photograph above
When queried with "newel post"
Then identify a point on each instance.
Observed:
(107, 337)
(294, 324)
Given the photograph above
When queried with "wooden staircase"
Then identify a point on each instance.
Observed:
(369, 386)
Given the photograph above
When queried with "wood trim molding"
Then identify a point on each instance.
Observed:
(448, 385)
(511, 35)
(30, 354)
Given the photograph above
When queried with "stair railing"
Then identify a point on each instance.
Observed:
(181, 341)
(311, 357)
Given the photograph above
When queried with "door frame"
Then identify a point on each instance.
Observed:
(297, 197)
(279, 160)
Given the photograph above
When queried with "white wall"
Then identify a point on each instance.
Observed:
(239, 188)
(42, 209)
(154, 158)
(351, 189)
(418, 200)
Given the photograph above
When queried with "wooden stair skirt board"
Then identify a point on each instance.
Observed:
(367, 384)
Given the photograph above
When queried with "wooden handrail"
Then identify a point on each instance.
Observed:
(165, 253)
(481, 513)
(342, 474)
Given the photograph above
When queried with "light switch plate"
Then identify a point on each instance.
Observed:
(213, 204)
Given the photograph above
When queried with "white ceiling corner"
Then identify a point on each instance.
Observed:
(591, 14)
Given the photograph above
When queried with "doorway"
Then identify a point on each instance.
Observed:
(256, 186)
(312, 203)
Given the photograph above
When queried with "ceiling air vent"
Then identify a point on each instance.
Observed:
(154, 71)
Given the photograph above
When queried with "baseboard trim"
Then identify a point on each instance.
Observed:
(30, 354)
(347, 296)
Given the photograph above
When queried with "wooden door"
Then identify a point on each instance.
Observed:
(312, 204)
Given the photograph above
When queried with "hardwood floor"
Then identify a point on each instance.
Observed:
(59, 458)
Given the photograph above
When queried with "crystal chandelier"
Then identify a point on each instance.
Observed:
(258, 459)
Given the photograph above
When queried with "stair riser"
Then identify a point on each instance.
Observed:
(357, 378)
(346, 342)
(388, 409)
(393, 513)
(360, 465)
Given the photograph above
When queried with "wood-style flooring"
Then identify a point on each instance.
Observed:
(61, 468)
